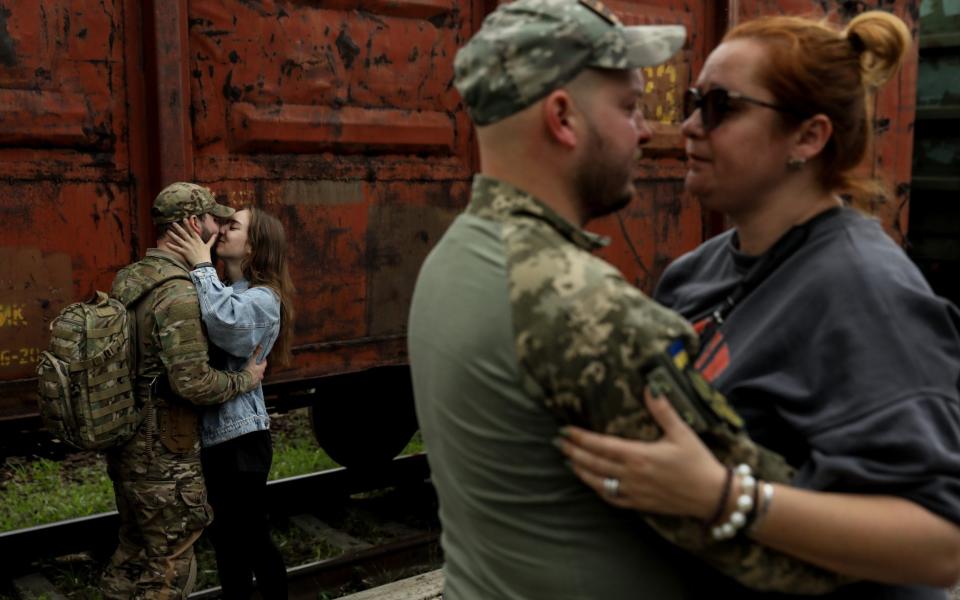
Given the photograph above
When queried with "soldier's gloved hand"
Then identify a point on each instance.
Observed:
(675, 475)
(255, 368)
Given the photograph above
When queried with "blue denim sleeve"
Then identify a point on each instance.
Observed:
(237, 320)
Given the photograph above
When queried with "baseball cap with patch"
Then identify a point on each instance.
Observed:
(528, 48)
(180, 200)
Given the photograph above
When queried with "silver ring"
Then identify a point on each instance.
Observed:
(611, 486)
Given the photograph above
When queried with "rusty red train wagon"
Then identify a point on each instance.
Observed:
(337, 115)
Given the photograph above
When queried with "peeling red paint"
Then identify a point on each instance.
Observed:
(340, 117)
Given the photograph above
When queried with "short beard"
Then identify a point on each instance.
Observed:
(205, 237)
(594, 181)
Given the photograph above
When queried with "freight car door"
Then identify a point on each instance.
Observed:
(68, 170)
(340, 118)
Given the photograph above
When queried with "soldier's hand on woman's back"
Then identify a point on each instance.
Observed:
(255, 368)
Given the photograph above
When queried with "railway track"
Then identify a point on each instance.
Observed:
(358, 528)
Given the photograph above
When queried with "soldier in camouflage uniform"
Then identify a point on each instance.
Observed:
(515, 327)
(156, 476)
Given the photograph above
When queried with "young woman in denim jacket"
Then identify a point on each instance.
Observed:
(252, 314)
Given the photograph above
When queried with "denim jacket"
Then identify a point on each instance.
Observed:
(238, 319)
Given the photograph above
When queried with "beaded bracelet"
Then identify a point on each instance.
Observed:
(763, 507)
(724, 495)
(738, 518)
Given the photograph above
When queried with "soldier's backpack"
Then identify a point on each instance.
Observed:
(87, 391)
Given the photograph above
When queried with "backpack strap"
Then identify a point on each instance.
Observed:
(149, 408)
(131, 307)
(154, 285)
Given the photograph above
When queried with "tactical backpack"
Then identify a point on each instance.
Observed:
(87, 378)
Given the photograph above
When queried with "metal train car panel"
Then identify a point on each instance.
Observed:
(338, 116)
(71, 148)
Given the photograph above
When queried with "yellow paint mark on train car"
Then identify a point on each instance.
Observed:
(660, 94)
(19, 357)
(11, 315)
(241, 198)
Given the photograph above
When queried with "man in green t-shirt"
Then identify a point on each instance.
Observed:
(515, 325)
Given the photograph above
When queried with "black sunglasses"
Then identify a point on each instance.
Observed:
(715, 105)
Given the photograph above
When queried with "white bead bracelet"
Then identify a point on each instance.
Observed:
(738, 518)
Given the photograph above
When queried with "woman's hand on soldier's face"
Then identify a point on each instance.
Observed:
(674, 475)
(188, 244)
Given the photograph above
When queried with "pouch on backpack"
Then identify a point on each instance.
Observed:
(87, 392)
(86, 378)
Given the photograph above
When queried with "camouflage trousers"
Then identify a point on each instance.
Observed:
(162, 503)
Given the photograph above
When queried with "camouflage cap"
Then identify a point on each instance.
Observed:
(528, 48)
(180, 200)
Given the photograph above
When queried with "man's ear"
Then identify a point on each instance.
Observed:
(193, 222)
(560, 118)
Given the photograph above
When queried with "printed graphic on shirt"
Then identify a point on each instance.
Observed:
(714, 358)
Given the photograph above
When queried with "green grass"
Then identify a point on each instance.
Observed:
(39, 491)
(415, 446)
(295, 451)
(44, 491)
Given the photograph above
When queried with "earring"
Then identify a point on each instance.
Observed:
(795, 164)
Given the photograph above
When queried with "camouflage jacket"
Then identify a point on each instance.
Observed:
(585, 337)
(171, 345)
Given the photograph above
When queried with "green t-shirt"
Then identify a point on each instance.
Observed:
(492, 385)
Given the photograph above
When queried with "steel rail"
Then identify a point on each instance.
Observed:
(288, 496)
(305, 580)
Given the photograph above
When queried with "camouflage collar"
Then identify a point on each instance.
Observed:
(498, 200)
(169, 256)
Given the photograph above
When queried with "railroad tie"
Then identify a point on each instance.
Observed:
(36, 585)
(428, 586)
(334, 537)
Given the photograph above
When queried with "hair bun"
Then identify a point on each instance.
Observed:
(856, 42)
(882, 41)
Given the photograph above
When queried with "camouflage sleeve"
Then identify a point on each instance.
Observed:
(585, 339)
(183, 349)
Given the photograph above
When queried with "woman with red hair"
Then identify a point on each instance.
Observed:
(814, 324)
